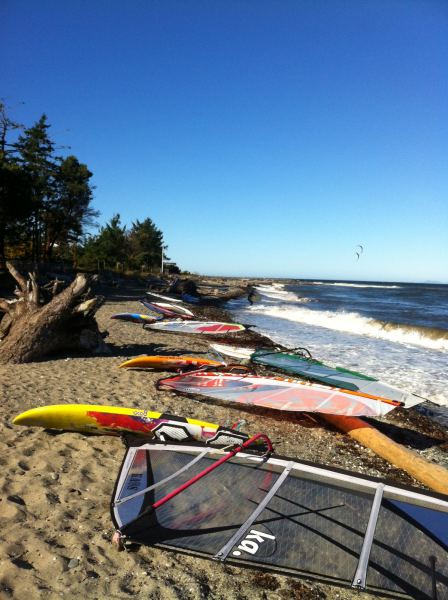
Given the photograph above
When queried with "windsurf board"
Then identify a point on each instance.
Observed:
(181, 310)
(170, 362)
(233, 351)
(160, 297)
(135, 318)
(116, 420)
(166, 312)
(207, 327)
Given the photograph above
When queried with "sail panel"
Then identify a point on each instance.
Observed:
(337, 376)
(314, 523)
(278, 393)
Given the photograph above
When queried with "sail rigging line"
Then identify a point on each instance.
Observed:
(433, 561)
(162, 481)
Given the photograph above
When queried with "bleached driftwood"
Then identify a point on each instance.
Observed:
(45, 320)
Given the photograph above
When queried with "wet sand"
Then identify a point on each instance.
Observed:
(55, 488)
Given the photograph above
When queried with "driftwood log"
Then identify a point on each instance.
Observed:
(42, 320)
(432, 475)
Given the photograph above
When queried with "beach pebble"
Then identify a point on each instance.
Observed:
(22, 564)
(92, 574)
(74, 562)
(17, 500)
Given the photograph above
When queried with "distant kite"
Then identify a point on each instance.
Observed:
(359, 252)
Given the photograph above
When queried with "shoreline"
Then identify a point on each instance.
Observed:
(56, 488)
(416, 416)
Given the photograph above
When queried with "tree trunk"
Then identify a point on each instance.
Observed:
(2, 247)
(43, 321)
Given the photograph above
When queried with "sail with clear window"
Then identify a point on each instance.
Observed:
(285, 516)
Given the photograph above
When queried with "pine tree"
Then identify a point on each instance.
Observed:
(146, 245)
(45, 199)
(107, 248)
(35, 150)
(15, 187)
(68, 211)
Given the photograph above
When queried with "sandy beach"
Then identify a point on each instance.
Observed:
(55, 536)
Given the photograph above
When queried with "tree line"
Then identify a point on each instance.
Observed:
(46, 208)
(116, 247)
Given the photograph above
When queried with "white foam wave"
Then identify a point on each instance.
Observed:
(269, 286)
(440, 398)
(273, 288)
(276, 291)
(358, 285)
(353, 323)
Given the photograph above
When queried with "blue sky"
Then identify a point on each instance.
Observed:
(264, 138)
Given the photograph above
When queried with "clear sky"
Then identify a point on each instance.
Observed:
(263, 137)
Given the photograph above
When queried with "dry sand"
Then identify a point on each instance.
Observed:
(55, 488)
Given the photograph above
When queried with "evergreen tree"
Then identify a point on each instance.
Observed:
(15, 188)
(45, 201)
(146, 245)
(139, 248)
(35, 150)
(107, 248)
(6, 124)
(68, 211)
(15, 204)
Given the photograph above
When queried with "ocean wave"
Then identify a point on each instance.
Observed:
(358, 285)
(276, 291)
(354, 323)
(276, 288)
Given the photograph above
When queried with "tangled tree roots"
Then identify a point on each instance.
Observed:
(47, 319)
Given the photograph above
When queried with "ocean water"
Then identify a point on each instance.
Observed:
(396, 332)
